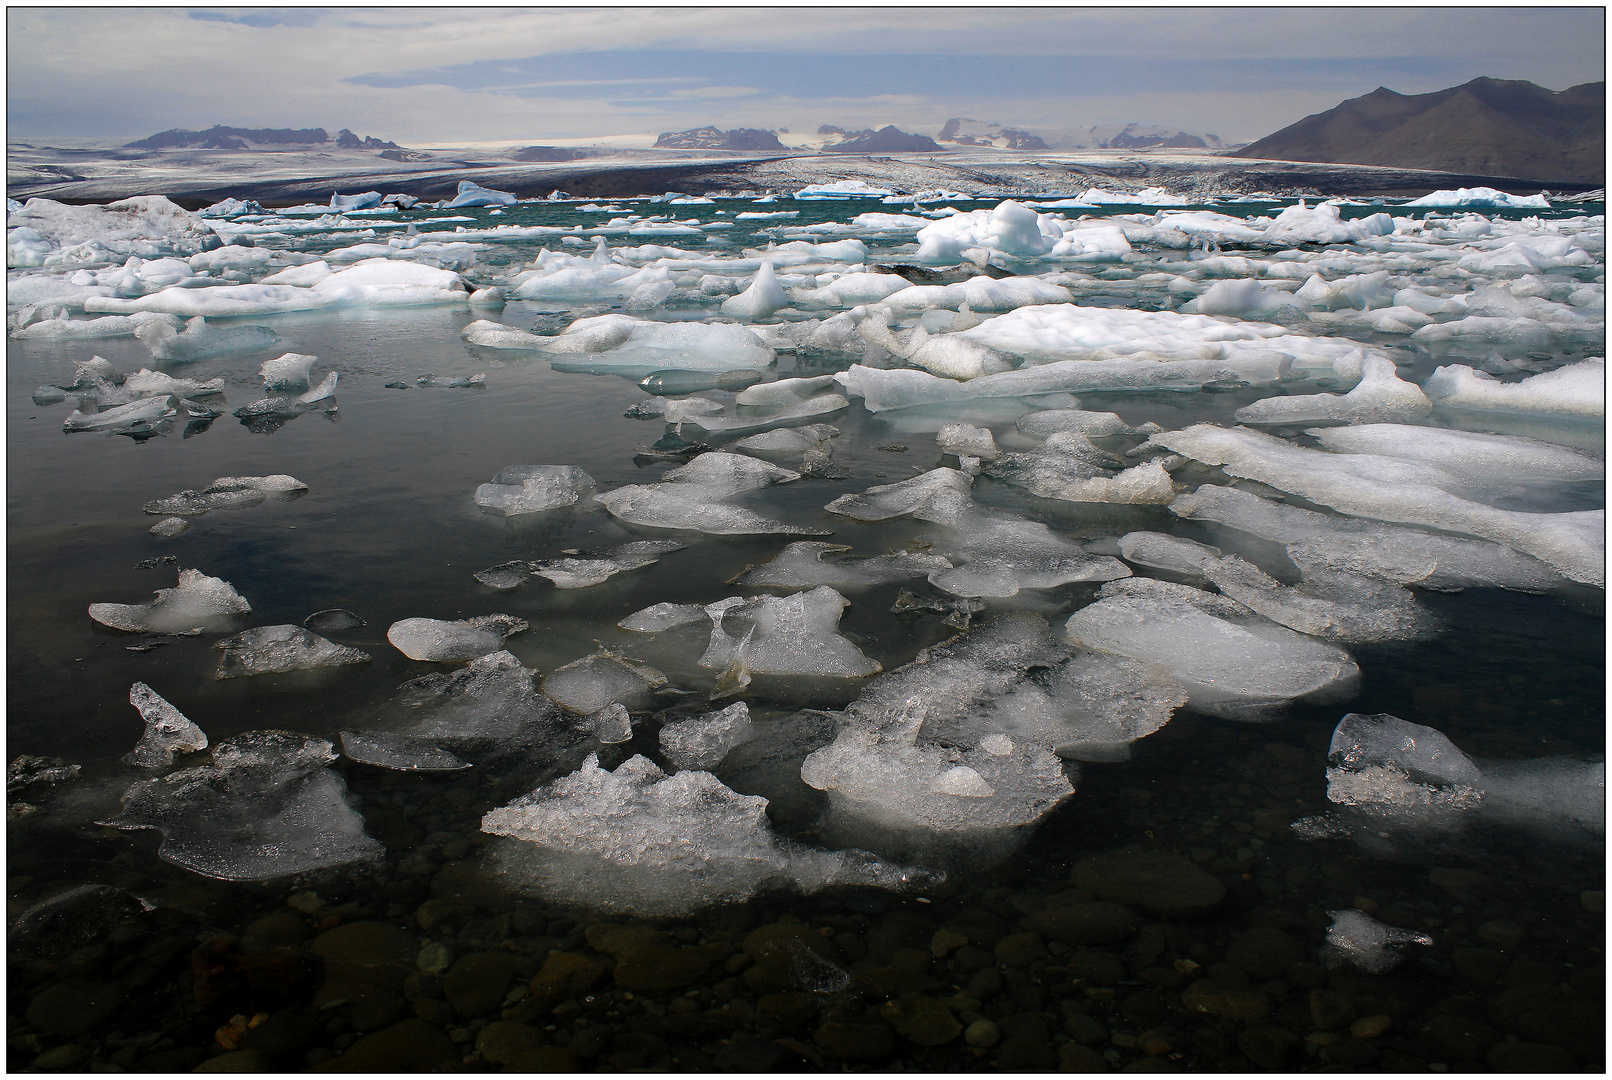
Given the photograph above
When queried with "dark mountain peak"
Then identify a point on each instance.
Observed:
(219, 137)
(887, 140)
(1484, 127)
(713, 138)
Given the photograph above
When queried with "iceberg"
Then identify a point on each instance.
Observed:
(595, 682)
(227, 493)
(527, 489)
(1231, 662)
(267, 650)
(473, 194)
(168, 731)
(638, 841)
(1400, 492)
(197, 602)
(467, 639)
(266, 807)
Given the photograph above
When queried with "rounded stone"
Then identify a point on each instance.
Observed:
(852, 1040)
(1521, 1057)
(1020, 950)
(982, 1033)
(365, 943)
(1097, 923)
(1085, 1029)
(1073, 1057)
(1268, 1047)
(434, 959)
(1228, 1002)
(1020, 1054)
(1264, 952)
(1329, 1011)
(921, 1019)
(281, 930)
(655, 968)
(238, 1061)
(477, 983)
(504, 1041)
(410, 1046)
(65, 1056)
(74, 1006)
(1157, 882)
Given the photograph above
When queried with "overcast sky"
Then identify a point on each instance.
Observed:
(435, 76)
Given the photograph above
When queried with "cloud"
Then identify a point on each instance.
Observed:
(712, 92)
(430, 75)
(258, 17)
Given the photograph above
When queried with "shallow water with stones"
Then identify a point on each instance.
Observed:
(428, 956)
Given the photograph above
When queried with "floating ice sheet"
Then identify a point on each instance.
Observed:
(1356, 939)
(701, 742)
(694, 497)
(168, 731)
(228, 493)
(526, 489)
(636, 840)
(602, 679)
(490, 707)
(198, 601)
(801, 566)
(1387, 552)
(266, 807)
(1387, 489)
(1089, 707)
(467, 639)
(266, 650)
(391, 751)
(1238, 666)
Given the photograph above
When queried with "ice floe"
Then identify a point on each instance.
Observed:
(466, 639)
(695, 497)
(197, 602)
(266, 650)
(636, 840)
(528, 489)
(267, 806)
(1231, 662)
(228, 493)
(168, 731)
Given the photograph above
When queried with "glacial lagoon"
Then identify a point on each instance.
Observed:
(1009, 637)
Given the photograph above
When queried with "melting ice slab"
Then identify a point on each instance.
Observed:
(391, 751)
(266, 650)
(527, 489)
(434, 639)
(167, 730)
(1412, 775)
(198, 601)
(636, 840)
(1231, 662)
(703, 741)
(1385, 552)
(917, 768)
(1357, 939)
(227, 493)
(695, 497)
(1404, 492)
(267, 806)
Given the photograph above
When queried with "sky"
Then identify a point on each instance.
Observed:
(424, 77)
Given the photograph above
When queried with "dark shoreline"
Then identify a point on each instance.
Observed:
(1039, 174)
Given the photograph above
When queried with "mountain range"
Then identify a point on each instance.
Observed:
(1487, 127)
(219, 137)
